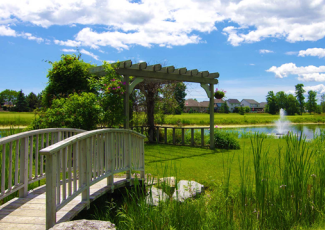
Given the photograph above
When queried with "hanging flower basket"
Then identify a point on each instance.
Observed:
(219, 94)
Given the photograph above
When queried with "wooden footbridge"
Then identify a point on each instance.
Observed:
(77, 165)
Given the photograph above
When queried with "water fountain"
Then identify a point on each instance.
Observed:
(282, 125)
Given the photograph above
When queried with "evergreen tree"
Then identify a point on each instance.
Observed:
(271, 103)
(32, 101)
(300, 97)
(21, 104)
(312, 101)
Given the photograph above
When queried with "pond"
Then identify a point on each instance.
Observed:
(308, 130)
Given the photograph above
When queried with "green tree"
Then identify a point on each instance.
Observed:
(292, 105)
(180, 95)
(32, 101)
(65, 77)
(300, 97)
(272, 106)
(322, 104)
(281, 100)
(21, 104)
(312, 101)
(9, 96)
(224, 108)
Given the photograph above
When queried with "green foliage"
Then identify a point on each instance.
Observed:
(66, 76)
(76, 111)
(272, 106)
(300, 97)
(322, 104)
(292, 105)
(247, 109)
(110, 90)
(225, 140)
(32, 101)
(21, 104)
(312, 101)
(219, 94)
(224, 108)
(180, 97)
(8, 96)
(242, 110)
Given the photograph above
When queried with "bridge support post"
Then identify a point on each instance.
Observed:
(128, 158)
(110, 179)
(50, 190)
(24, 167)
(85, 168)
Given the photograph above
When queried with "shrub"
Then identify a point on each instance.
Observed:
(4, 108)
(225, 140)
(77, 111)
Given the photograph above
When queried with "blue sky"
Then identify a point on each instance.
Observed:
(256, 46)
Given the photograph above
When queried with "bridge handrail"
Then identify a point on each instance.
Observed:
(25, 165)
(80, 161)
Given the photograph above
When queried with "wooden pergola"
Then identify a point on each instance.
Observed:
(144, 73)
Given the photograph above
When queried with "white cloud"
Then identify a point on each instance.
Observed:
(252, 64)
(291, 53)
(69, 50)
(89, 54)
(173, 23)
(320, 89)
(263, 51)
(7, 31)
(67, 43)
(318, 52)
(29, 36)
(305, 73)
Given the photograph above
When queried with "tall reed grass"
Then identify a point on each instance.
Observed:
(282, 192)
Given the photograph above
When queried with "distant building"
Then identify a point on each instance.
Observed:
(254, 105)
(217, 104)
(232, 103)
(262, 105)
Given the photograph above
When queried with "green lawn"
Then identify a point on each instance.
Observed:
(199, 119)
(202, 164)
(16, 118)
(235, 118)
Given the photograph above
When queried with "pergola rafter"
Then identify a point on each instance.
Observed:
(144, 73)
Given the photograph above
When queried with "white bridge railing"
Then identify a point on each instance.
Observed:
(78, 162)
(21, 163)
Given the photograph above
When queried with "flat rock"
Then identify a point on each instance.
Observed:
(84, 224)
(155, 196)
(187, 189)
(170, 181)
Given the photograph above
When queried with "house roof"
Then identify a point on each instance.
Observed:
(191, 103)
(250, 101)
(263, 104)
(204, 104)
(233, 101)
(218, 101)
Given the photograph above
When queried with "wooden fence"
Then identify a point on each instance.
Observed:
(162, 132)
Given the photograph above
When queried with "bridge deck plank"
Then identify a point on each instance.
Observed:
(29, 212)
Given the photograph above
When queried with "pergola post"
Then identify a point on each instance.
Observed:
(126, 102)
(212, 146)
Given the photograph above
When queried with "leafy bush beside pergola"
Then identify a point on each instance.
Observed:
(156, 73)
